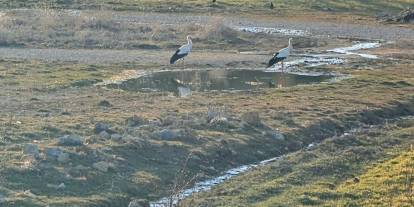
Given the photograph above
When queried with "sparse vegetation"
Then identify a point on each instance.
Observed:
(214, 149)
(286, 6)
(341, 171)
(107, 30)
(66, 139)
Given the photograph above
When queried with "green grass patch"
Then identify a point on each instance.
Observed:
(341, 171)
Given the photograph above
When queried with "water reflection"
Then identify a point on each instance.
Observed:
(184, 82)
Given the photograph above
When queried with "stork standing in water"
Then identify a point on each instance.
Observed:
(182, 51)
(281, 55)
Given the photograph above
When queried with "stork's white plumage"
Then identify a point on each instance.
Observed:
(281, 55)
(182, 51)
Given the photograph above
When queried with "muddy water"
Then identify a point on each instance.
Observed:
(218, 80)
(184, 82)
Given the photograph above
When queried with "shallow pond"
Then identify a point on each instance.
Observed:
(217, 80)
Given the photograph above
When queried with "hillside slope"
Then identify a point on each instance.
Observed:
(372, 166)
(359, 6)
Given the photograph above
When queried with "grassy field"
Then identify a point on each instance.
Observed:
(370, 7)
(55, 105)
(43, 100)
(370, 167)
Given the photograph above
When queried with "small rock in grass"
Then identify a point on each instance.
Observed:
(221, 122)
(29, 193)
(135, 121)
(103, 166)
(252, 118)
(52, 152)
(70, 140)
(104, 135)
(2, 198)
(167, 134)
(105, 103)
(61, 186)
(168, 120)
(99, 127)
(116, 137)
(63, 157)
(274, 135)
(184, 91)
(31, 149)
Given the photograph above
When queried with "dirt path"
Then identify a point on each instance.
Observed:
(156, 57)
(370, 30)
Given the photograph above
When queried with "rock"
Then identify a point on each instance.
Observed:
(2, 198)
(63, 157)
(406, 16)
(99, 127)
(78, 170)
(29, 193)
(61, 186)
(218, 119)
(184, 91)
(91, 140)
(327, 9)
(104, 103)
(213, 112)
(135, 121)
(311, 146)
(356, 180)
(167, 134)
(116, 137)
(31, 149)
(274, 135)
(251, 118)
(130, 138)
(103, 166)
(104, 135)
(168, 120)
(70, 140)
(221, 122)
(81, 168)
(154, 123)
(52, 153)
(139, 203)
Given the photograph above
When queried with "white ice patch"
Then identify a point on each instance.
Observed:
(310, 61)
(271, 30)
(326, 59)
(208, 184)
(359, 46)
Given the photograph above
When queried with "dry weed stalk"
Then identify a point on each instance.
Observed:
(182, 180)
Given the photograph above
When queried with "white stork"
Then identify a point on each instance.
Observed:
(281, 55)
(182, 51)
